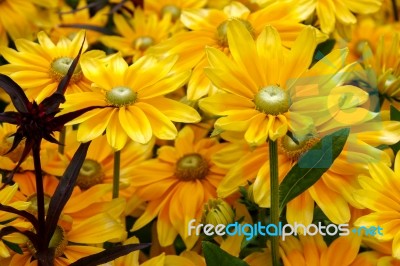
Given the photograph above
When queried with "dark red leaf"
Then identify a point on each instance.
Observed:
(52, 103)
(10, 229)
(64, 190)
(103, 30)
(62, 86)
(60, 121)
(30, 217)
(10, 117)
(15, 92)
(109, 254)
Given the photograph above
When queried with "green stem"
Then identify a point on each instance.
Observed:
(117, 162)
(62, 141)
(395, 11)
(274, 211)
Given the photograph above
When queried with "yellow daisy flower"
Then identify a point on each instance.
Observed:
(380, 194)
(17, 20)
(341, 12)
(138, 33)
(312, 250)
(384, 68)
(131, 101)
(81, 205)
(333, 193)
(8, 219)
(269, 90)
(172, 7)
(177, 184)
(39, 67)
(80, 16)
(209, 28)
(77, 241)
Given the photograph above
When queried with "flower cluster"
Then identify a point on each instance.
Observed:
(124, 122)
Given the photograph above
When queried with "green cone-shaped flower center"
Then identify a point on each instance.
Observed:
(173, 10)
(143, 42)
(121, 96)
(217, 211)
(33, 208)
(222, 31)
(58, 242)
(272, 100)
(191, 167)
(91, 174)
(294, 150)
(59, 68)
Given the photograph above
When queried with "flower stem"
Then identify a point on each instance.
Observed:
(395, 11)
(274, 211)
(117, 162)
(62, 141)
(40, 196)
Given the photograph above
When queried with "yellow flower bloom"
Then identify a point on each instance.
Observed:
(384, 68)
(177, 184)
(18, 19)
(75, 242)
(39, 67)
(8, 219)
(131, 99)
(381, 195)
(269, 90)
(79, 16)
(172, 7)
(209, 28)
(330, 12)
(138, 33)
(312, 250)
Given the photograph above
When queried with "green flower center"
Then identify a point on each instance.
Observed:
(191, 167)
(294, 150)
(173, 10)
(90, 174)
(222, 31)
(143, 43)
(272, 100)
(58, 242)
(33, 208)
(59, 68)
(121, 96)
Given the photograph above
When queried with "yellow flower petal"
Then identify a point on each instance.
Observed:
(135, 124)
(116, 135)
(175, 111)
(95, 126)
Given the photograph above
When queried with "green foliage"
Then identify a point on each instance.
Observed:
(395, 116)
(217, 257)
(311, 166)
(14, 247)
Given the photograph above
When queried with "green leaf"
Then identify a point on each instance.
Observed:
(14, 247)
(322, 50)
(217, 257)
(311, 166)
(395, 116)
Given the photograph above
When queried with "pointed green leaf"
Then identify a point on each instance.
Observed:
(395, 116)
(311, 166)
(215, 256)
(109, 254)
(14, 247)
